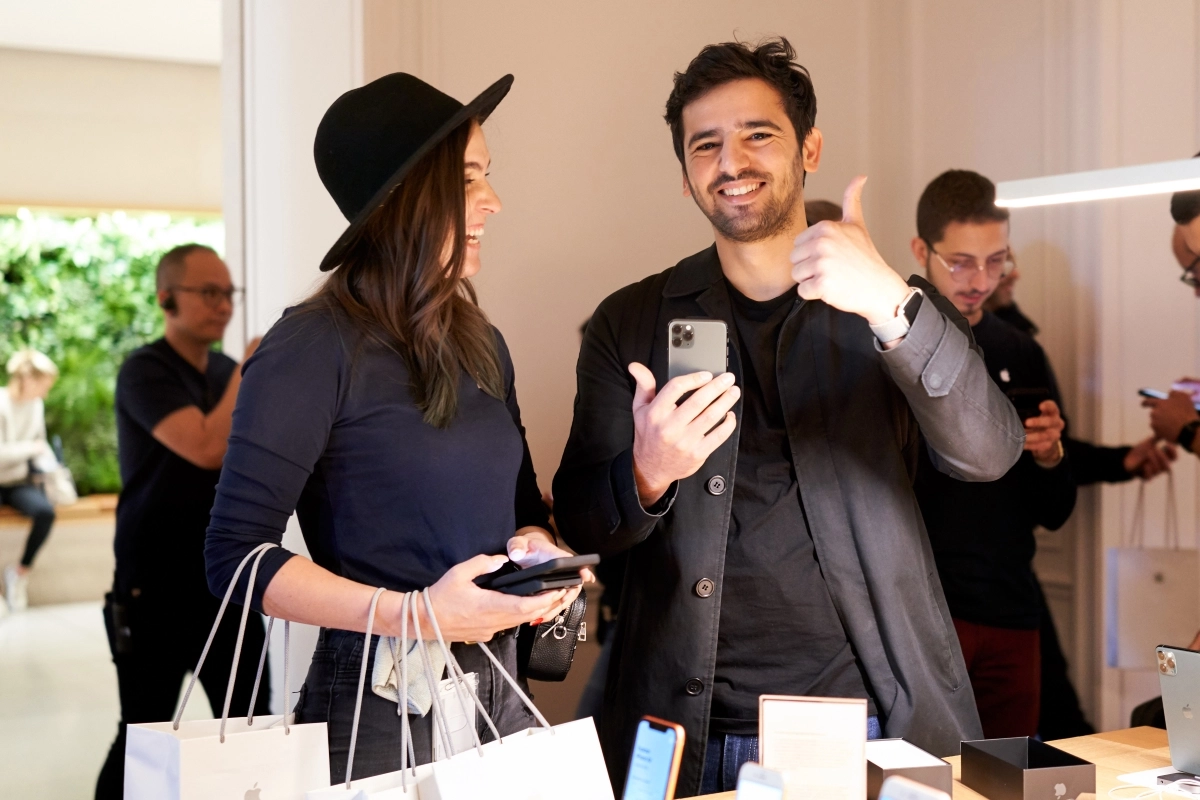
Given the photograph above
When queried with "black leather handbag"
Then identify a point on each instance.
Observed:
(547, 650)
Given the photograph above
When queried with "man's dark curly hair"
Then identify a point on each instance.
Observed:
(772, 61)
(957, 195)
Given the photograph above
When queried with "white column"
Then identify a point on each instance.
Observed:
(284, 63)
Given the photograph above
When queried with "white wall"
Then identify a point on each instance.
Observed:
(91, 132)
(188, 31)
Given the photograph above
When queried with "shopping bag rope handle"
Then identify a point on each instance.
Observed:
(362, 680)
(256, 554)
(1137, 527)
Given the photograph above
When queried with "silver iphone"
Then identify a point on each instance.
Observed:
(697, 345)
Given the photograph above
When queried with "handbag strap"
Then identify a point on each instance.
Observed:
(256, 554)
(456, 672)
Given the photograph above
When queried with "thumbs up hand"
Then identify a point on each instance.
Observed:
(837, 263)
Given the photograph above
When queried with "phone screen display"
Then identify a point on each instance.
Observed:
(650, 766)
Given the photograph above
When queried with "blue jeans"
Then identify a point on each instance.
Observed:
(727, 752)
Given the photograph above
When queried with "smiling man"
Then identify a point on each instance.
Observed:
(775, 545)
(982, 533)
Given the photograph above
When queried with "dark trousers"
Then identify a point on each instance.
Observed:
(1004, 666)
(32, 502)
(155, 642)
(330, 691)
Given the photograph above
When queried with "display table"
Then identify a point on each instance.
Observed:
(1114, 753)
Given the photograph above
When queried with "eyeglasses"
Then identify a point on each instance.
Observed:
(963, 268)
(1189, 274)
(211, 295)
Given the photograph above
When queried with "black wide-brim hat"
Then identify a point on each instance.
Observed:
(372, 136)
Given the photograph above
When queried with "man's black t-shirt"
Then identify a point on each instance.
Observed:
(779, 631)
(165, 501)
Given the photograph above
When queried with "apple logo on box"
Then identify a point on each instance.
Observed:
(1187, 711)
(253, 793)
(1060, 789)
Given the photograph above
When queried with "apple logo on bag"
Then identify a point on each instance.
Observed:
(1060, 789)
(253, 792)
(1187, 711)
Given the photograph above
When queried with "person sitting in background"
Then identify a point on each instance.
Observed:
(174, 400)
(23, 440)
(982, 533)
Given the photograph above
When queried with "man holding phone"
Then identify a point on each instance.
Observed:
(982, 533)
(1175, 418)
(775, 545)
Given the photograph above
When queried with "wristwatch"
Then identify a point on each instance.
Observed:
(899, 325)
(1187, 436)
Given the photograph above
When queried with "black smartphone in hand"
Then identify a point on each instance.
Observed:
(1028, 401)
(557, 573)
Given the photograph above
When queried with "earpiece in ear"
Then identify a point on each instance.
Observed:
(168, 303)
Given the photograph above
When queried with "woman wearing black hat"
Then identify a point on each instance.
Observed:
(383, 412)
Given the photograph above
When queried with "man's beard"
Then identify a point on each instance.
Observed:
(775, 218)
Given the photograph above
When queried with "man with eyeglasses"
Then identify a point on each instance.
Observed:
(982, 533)
(174, 404)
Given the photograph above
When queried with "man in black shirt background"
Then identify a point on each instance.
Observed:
(174, 405)
(982, 533)
(1061, 716)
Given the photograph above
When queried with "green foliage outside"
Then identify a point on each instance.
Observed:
(81, 290)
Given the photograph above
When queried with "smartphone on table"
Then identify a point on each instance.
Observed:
(654, 765)
(756, 782)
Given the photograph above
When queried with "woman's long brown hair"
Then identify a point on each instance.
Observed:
(401, 284)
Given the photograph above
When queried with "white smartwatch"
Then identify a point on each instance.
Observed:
(899, 325)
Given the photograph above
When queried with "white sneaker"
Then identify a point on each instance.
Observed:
(16, 588)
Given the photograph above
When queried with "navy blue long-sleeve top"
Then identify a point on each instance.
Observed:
(325, 425)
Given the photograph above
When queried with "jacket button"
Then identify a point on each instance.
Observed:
(716, 485)
(705, 587)
(694, 686)
(935, 381)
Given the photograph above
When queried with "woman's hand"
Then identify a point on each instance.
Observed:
(466, 613)
(1146, 459)
(535, 546)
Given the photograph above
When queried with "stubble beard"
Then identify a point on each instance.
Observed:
(776, 217)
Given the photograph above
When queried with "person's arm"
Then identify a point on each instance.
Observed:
(972, 430)
(287, 406)
(198, 437)
(18, 451)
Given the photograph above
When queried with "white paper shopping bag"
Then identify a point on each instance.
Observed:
(263, 758)
(1152, 593)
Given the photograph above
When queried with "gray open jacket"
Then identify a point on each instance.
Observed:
(855, 418)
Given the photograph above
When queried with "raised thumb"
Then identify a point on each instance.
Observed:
(852, 202)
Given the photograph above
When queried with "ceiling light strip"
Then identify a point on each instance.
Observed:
(1163, 177)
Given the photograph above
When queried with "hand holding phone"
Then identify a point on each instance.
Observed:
(557, 573)
(654, 764)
